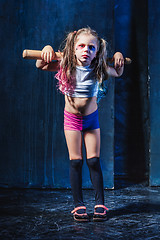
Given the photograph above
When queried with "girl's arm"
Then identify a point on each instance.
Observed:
(118, 68)
(46, 62)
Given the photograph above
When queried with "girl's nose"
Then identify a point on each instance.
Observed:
(86, 48)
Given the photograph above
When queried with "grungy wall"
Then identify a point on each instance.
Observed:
(33, 149)
(131, 91)
(154, 90)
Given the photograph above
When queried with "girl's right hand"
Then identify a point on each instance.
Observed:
(47, 54)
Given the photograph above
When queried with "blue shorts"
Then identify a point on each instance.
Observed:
(81, 123)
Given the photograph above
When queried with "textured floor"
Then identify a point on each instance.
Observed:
(45, 214)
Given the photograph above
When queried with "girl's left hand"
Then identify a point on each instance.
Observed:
(118, 60)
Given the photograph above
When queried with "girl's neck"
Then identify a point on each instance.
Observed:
(86, 67)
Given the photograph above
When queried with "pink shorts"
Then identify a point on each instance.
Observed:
(81, 123)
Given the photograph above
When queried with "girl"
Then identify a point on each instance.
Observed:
(81, 70)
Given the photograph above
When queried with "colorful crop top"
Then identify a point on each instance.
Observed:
(86, 83)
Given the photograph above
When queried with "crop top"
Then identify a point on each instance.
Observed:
(86, 83)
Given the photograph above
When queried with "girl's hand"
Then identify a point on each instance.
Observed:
(47, 54)
(118, 60)
(118, 68)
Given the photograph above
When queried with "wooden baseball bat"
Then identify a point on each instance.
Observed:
(36, 54)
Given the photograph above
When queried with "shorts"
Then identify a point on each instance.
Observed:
(81, 123)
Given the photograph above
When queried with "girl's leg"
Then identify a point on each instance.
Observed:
(92, 144)
(74, 144)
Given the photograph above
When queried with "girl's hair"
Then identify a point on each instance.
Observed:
(66, 74)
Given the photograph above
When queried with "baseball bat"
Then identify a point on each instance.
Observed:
(36, 54)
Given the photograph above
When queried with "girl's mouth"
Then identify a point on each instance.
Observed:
(85, 56)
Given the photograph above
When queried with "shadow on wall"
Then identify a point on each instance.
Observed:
(131, 98)
(137, 122)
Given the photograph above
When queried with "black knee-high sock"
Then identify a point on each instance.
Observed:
(76, 181)
(97, 179)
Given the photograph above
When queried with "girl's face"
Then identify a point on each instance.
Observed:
(85, 49)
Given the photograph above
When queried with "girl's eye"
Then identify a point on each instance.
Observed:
(91, 47)
(81, 46)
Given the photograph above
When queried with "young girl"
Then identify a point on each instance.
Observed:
(81, 70)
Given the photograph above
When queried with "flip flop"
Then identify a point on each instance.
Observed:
(98, 217)
(80, 217)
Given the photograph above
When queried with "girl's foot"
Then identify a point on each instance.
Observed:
(80, 215)
(100, 213)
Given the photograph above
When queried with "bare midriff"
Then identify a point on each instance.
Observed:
(80, 106)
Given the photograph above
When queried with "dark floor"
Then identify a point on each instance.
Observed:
(45, 214)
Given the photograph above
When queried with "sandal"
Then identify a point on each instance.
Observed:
(80, 217)
(100, 216)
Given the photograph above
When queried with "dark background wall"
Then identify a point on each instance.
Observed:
(131, 91)
(33, 149)
(154, 90)
(30, 122)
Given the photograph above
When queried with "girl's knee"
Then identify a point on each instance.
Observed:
(76, 163)
(93, 162)
(75, 156)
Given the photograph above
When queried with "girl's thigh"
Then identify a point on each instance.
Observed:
(74, 144)
(92, 143)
